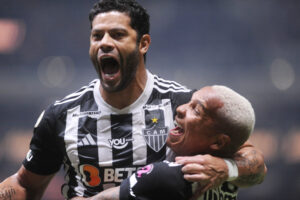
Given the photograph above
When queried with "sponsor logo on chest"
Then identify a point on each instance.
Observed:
(119, 143)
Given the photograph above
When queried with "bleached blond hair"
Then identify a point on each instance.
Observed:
(236, 115)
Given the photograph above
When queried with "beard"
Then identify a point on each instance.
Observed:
(128, 68)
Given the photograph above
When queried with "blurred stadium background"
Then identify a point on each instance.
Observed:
(251, 46)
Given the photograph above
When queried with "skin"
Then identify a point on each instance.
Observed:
(208, 170)
(196, 135)
(113, 37)
(24, 185)
(211, 171)
(27, 185)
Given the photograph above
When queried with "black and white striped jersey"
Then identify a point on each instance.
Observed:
(100, 145)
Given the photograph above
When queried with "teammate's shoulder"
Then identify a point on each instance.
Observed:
(76, 98)
(164, 85)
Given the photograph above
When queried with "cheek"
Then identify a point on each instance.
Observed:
(127, 46)
(92, 48)
(194, 140)
(91, 51)
(193, 128)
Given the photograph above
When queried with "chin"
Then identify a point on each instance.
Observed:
(111, 88)
(175, 149)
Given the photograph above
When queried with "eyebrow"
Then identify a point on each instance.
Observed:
(206, 111)
(121, 28)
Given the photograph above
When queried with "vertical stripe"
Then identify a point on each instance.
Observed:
(205, 195)
(104, 136)
(71, 140)
(121, 131)
(168, 113)
(105, 149)
(215, 197)
(70, 179)
(138, 141)
(88, 153)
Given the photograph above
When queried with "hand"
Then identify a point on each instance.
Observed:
(208, 171)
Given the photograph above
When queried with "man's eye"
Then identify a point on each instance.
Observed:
(198, 109)
(197, 112)
(118, 35)
(96, 36)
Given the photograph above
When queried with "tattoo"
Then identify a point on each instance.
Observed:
(251, 164)
(7, 193)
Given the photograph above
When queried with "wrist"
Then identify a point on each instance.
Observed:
(233, 171)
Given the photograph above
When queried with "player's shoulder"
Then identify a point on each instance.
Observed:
(165, 86)
(78, 98)
(167, 89)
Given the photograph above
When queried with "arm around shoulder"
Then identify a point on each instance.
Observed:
(251, 166)
(24, 185)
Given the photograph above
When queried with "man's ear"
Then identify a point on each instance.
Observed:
(222, 141)
(145, 43)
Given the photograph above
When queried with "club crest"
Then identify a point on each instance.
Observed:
(155, 132)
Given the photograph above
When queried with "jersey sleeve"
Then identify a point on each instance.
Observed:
(159, 181)
(44, 157)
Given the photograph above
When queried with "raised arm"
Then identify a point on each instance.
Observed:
(24, 185)
(212, 171)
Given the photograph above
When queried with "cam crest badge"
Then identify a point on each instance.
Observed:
(155, 132)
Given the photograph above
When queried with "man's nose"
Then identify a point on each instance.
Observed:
(107, 43)
(180, 111)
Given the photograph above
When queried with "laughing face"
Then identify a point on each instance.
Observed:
(195, 131)
(114, 50)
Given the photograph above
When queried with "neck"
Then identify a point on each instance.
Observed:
(130, 94)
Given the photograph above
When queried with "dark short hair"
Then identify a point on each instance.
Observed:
(138, 15)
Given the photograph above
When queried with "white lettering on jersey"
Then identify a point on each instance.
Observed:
(71, 142)
(108, 175)
(91, 114)
(119, 143)
(118, 174)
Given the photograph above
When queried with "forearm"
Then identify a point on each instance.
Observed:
(24, 185)
(251, 166)
(10, 189)
(109, 194)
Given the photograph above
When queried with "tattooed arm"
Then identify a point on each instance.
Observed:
(7, 192)
(212, 171)
(24, 185)
(250, 162)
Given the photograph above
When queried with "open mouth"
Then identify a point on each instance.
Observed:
(178, 130)
(109, 66)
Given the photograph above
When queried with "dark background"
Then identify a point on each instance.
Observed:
(251, 46)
